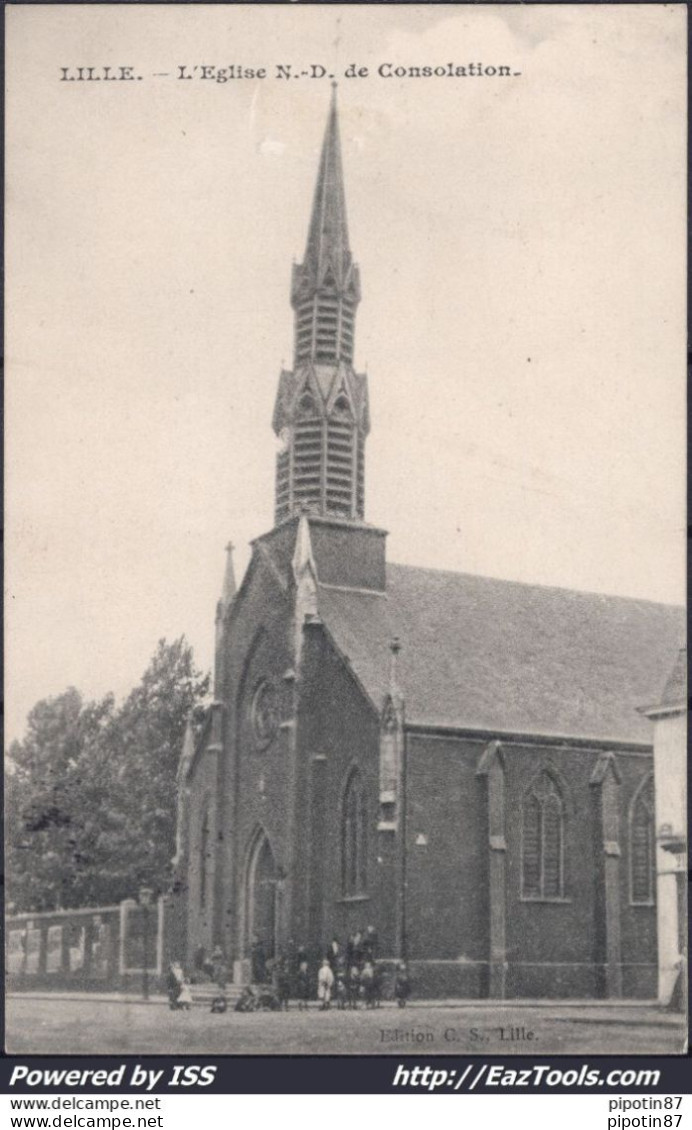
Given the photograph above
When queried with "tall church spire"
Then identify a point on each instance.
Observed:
(321, 415)
(327, 246)
(325, 288)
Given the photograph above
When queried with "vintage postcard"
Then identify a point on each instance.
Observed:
(346, 692)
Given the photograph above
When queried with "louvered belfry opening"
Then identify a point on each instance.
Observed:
(308, 443)
(321, 416)
(324, 325)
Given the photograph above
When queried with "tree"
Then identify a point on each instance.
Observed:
(48, 821)
(91, 792)
(144, 742)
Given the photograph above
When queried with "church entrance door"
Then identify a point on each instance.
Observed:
(262, 898)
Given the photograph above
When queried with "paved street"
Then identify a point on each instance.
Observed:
(73, 1026)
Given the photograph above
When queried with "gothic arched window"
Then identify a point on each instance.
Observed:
(354, 875)
(642, 844)
(341, 405)
(307, 405)
(543, 840)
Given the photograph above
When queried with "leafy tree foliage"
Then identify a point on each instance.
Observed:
(91, 792)
(49, 822)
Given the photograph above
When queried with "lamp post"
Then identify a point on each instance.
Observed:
(145, 895)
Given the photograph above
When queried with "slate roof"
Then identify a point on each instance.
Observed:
(509, 657)
(674, 692)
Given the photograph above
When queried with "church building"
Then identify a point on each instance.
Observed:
(458, 761)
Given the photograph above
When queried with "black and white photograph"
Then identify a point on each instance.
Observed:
(346, 682)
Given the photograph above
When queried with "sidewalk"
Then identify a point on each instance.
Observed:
(626, 1012)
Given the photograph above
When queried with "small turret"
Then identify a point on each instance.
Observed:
(391, 744)
(182, 821)
(229, 587)
(228, 591)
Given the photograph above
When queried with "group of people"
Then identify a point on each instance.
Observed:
(348, 986)
(178, 986)
(212, 967)
(347, 975)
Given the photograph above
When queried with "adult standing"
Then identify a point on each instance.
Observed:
(303, 985)
(370, 944)
(258, 961)
(334, 955)
(174, 984)
(402, 985)
(220, 972)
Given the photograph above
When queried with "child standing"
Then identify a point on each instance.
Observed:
(368, 983)
(283, 984)
(325, 984)
(402, 985)
(353, 986)
(303, 985)
(185, 996)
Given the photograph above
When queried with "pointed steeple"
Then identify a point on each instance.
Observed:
(327, 247)
(321, 415)
(305, 578)
(303, 561)
(326, 289)
(394, 649)
(188, 750)
(229, 588)
(228, 591)
(182, 815)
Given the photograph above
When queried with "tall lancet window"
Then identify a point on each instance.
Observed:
(642, 845)
(340, 441)
(204, 859)
(307, 457)
(354, 870)
(543, 840)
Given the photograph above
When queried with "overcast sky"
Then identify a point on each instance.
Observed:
(521, 245)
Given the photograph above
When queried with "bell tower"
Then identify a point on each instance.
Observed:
(321, 413)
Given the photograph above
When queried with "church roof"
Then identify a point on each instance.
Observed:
(674, 695)
(675, 690)
(489, 654)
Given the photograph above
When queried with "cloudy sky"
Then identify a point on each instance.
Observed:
(521, 244)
